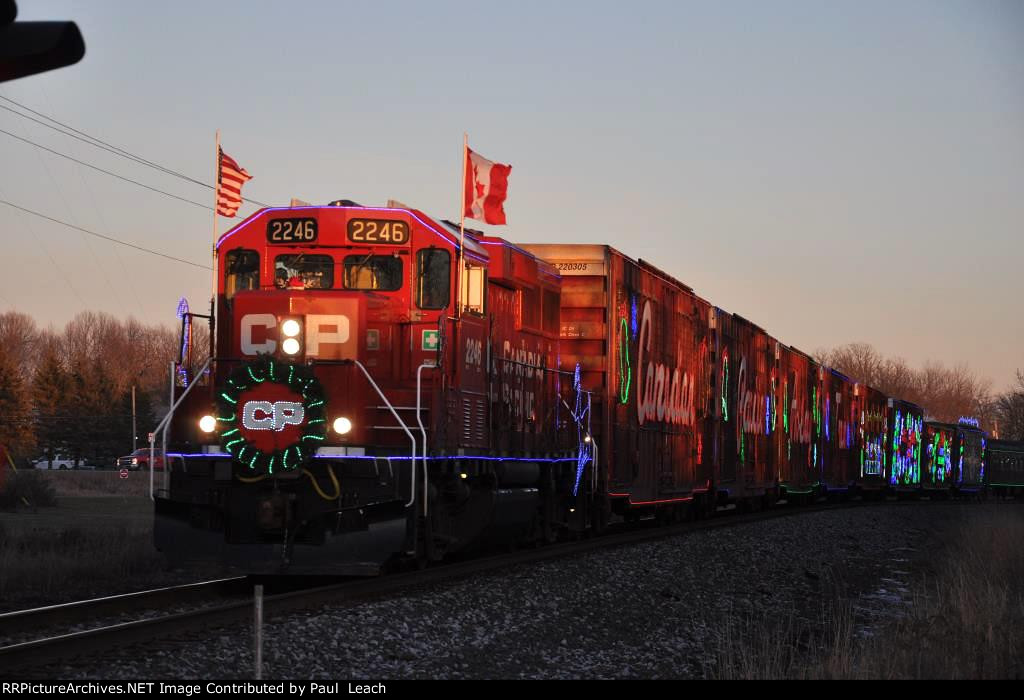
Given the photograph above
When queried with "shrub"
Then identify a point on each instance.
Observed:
(27, 487)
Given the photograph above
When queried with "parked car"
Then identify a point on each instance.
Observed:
(139, 459)
(55, 463)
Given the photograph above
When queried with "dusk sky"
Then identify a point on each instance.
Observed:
(835, 172)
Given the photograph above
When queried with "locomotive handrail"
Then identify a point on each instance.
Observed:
(412, 439)
(419, 419)
(163, 426)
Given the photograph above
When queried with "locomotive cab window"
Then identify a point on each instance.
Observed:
(373, 272)
(303, 271)
(433, 278)
(241, 271)
(474, 281)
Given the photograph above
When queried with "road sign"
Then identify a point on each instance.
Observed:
(123, 473)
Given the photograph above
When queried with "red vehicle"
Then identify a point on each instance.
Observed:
(799, 473)
(872, 477)
(354, 413)
(838, 416)
(645, 348)
(384, 388)
(139, 459)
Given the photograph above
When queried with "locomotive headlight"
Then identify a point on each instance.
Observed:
(207, 424)
(290, 345)
(342, 425)
(291, 328)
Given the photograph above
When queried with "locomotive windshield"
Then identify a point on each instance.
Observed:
(241, 271)
(309, 271)
(377, 272)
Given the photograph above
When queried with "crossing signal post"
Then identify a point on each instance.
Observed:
(27, 48)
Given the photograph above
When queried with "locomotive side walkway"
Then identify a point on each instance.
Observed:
(661, 609)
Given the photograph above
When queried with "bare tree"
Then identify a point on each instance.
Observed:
(946, 393)
(19, 339)
(1008, 411)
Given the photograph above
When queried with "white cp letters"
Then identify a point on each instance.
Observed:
(250, 321)
(263, 415)
(321, 330)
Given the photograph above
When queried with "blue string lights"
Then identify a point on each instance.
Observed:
(581, 413)
(186, 340)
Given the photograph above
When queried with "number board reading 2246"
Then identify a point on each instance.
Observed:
(380, 231)
(291, 231)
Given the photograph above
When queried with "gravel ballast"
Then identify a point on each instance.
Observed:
(655, 610)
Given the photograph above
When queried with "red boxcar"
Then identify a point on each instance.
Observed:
(645, 349)
(838, 435)
(873, 477)
(747, 364)
(799, 475)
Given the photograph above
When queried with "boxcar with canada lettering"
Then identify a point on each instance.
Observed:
(746, 362)
(644, 346)
(799, 477)
(837, 411)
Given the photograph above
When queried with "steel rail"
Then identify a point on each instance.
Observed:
(65, 648)
(81, 611)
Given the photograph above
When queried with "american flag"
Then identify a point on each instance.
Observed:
(230, 178)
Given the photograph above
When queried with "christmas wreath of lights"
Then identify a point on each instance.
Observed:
(295, 378)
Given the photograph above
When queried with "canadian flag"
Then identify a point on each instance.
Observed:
(486, 189)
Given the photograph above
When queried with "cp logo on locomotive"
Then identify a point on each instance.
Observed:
(264, 415)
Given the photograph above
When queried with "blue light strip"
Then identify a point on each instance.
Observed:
(245, 223)
(397, 458)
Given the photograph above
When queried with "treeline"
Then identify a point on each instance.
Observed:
(67, 393)
(945, 393)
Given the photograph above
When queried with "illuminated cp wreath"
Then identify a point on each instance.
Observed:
(271, 415)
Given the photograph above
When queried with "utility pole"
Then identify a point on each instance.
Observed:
(134, 434)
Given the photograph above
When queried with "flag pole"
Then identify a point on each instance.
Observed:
(213, 248)
(462, 221)
(216, 193)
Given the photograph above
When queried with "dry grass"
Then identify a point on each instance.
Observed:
(965, 622)
(45, 566)
(85, 546)
(96, 483)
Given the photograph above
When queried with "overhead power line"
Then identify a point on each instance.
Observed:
(105, 172)
(101, 144)
(106, 238)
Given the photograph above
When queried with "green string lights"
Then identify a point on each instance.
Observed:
(298, 379)
(625, 369)
(725, 385)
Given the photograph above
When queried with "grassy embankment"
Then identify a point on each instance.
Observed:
(97, 539)
(963, 620)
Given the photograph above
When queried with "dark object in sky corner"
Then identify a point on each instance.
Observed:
(27, 48)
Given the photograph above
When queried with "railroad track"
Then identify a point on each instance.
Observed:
(74, 646)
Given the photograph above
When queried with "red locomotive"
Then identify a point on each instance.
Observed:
(366, 403)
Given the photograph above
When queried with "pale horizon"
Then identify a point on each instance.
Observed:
(842, 173)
